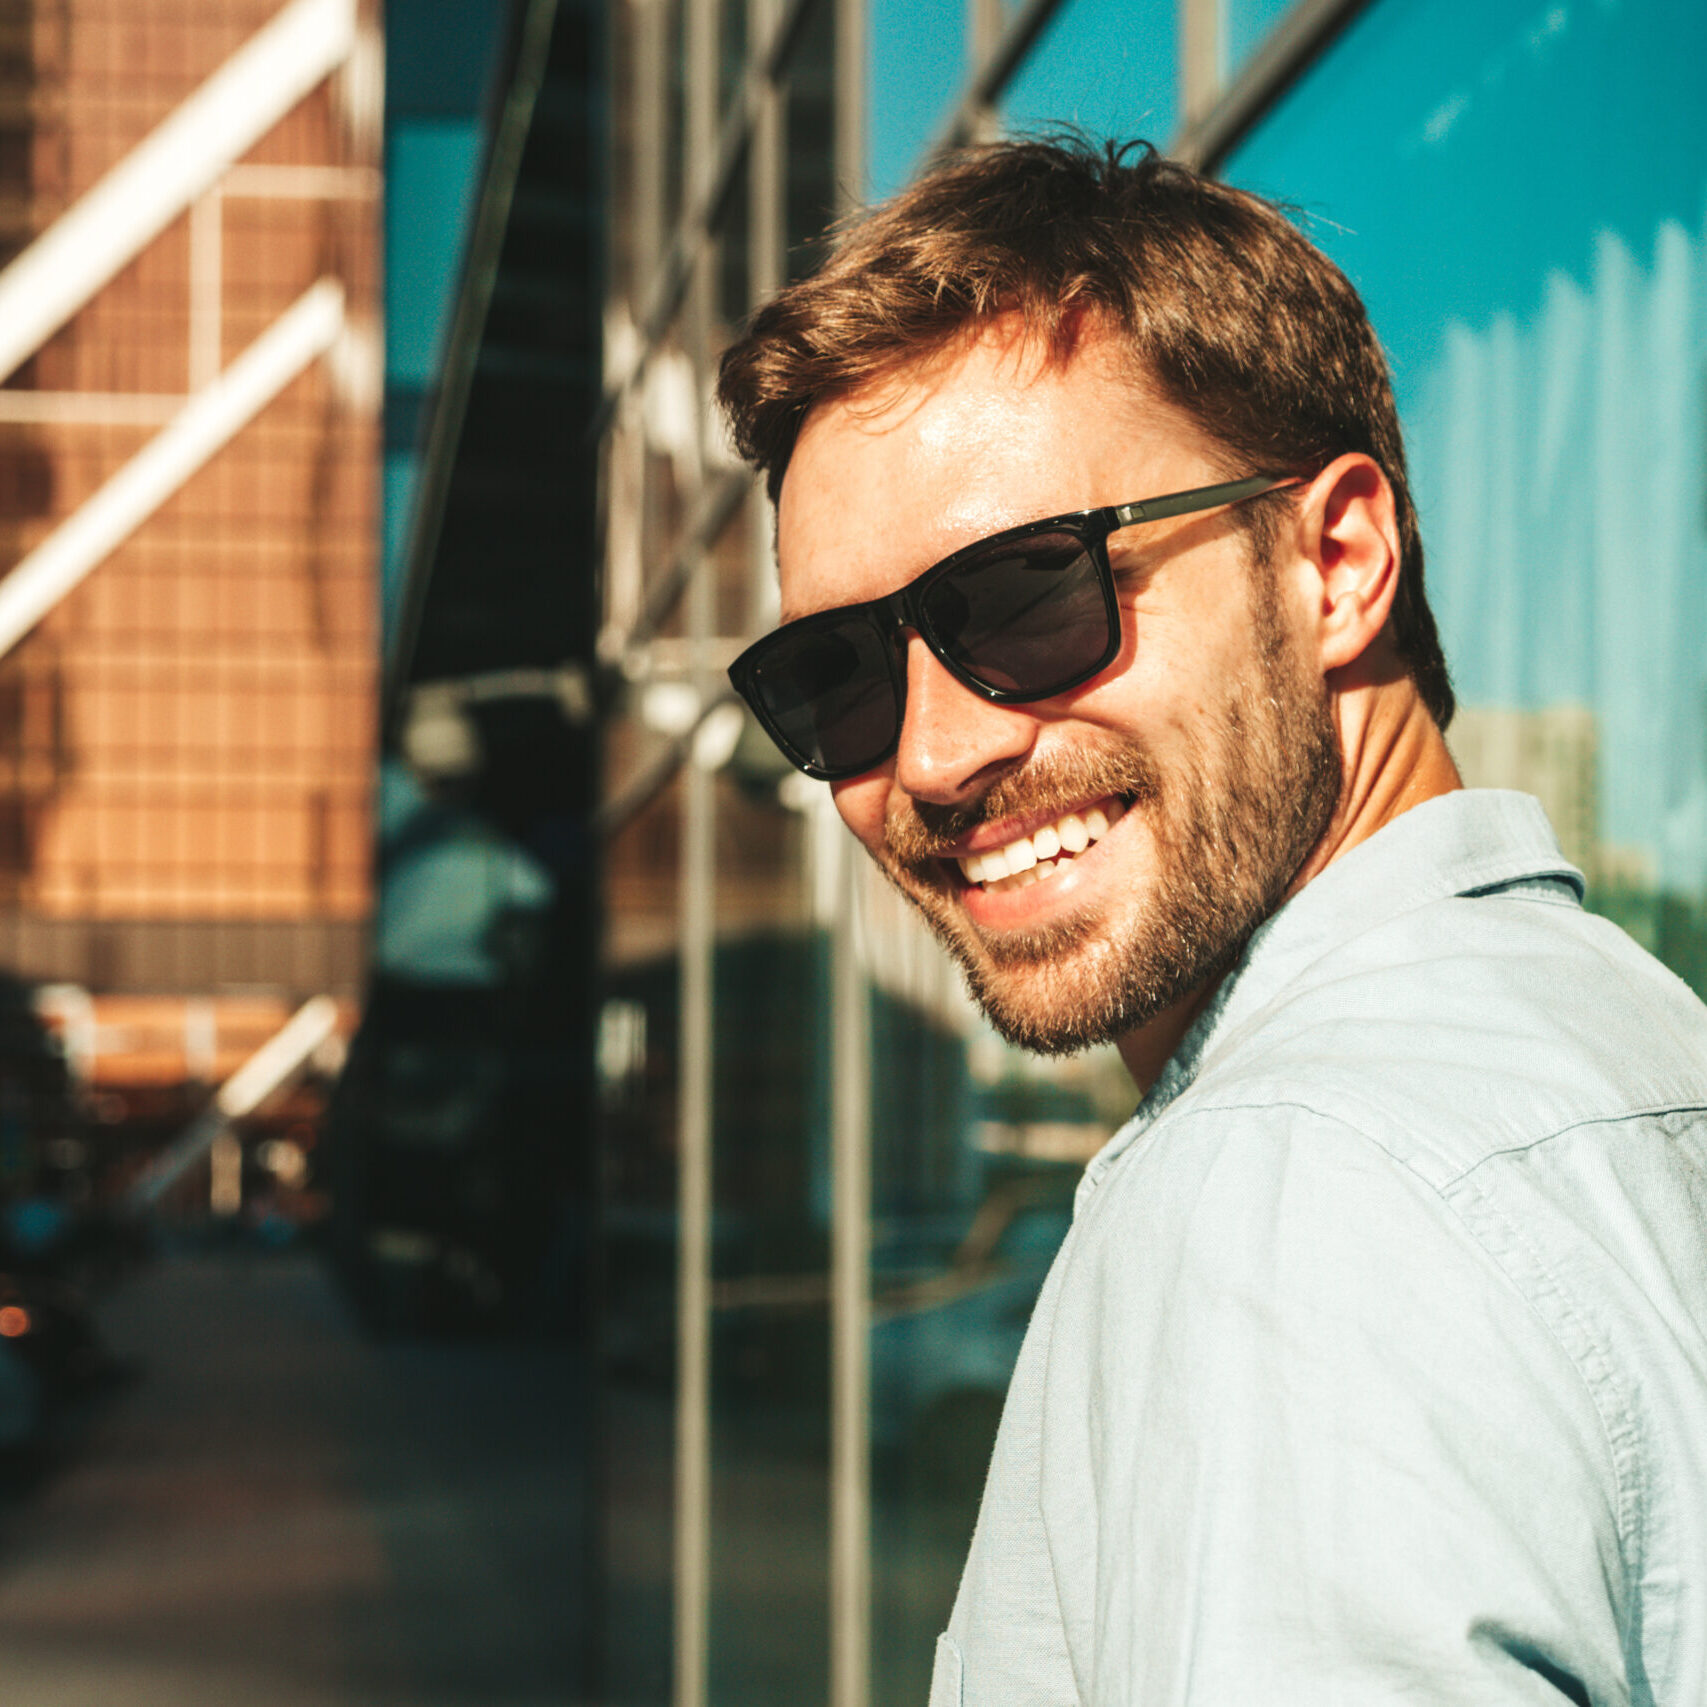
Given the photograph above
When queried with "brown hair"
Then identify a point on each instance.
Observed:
(1224, 305)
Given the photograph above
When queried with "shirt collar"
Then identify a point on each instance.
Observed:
(1463, 843)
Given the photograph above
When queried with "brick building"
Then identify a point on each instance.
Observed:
(186, 733)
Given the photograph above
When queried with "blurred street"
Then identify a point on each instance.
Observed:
(280, 1513)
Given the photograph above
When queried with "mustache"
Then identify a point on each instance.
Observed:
(918, 832)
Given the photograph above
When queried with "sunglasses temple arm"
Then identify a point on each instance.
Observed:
(1200, 498)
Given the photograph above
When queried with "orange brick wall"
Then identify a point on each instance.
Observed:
(190, 734)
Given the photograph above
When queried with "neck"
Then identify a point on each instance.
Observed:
(1394, 757)
(1146, 1051)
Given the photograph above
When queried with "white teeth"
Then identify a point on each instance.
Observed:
(1034, 857)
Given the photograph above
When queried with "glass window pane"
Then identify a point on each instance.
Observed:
(915, 69)
(638, 1066)
(809, 133)
(1108, 66)
(770, 1591)
(975, 1152)
(1244, 26)
(1526, 214)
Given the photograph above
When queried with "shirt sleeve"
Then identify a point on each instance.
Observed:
(1305, 1442)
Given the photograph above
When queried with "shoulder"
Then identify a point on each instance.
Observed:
(1499, 1095)
(1446, 1146)
(1501, 1084)
(1470, 1027)
(1297, 1413)
(1401, 1298)
(1266, 1288)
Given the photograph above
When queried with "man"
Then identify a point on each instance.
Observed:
(1373, 1368)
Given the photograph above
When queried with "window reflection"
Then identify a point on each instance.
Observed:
(1542, 291)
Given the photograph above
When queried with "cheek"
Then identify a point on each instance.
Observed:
(1178, 655)
(861, 802)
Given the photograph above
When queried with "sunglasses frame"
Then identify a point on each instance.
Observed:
(904, 609)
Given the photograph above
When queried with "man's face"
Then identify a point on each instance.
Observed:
(1206, 746)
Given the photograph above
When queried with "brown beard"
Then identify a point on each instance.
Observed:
(1232, 826)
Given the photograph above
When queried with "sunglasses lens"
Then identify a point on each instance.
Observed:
(1022, 618)
(830, 693)
(1029, 618)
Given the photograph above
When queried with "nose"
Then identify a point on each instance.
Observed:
(953, 743)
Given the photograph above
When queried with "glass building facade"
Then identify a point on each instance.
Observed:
(828, 1192)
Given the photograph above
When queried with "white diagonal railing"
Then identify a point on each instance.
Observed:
(158, 180)
(286, 1052)
(208, 420)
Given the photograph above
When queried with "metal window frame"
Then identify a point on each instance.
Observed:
(531, 47)
(179, 160)
(1217, 114)
(674, 284)
(205, 424)
(712, 183)
(1224, 115)
(1216, 123)
(177, 168)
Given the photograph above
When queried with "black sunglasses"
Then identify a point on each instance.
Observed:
(1020, 616)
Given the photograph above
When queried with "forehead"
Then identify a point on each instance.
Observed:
(994, 432)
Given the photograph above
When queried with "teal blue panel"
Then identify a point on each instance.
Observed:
(1107, 66)
(1244, 26)
(1520, 191)
(432, 172)
(401, 470)
(916, 69)
(1455, 153)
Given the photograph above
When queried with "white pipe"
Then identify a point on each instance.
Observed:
(74, 1008)
(181, 158)
(207, 264)
(303, 183)
(89, 408)
(278, 1058)
(203, 426)
(270, 1066)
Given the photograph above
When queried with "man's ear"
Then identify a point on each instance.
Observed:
(1349, 534)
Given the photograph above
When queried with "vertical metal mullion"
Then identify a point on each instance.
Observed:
(984, 22)
(651, 84)
(698, 876)
(765, 244)
(1199, 58)
(694, 1212)
(849, 144)
(850, 1293)
(630, 450)
(850, 1130)
(765, 238)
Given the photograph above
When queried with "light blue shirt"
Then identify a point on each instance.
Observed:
(1374, 1366)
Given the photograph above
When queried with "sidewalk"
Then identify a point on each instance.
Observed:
(280, 1514)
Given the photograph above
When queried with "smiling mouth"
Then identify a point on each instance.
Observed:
(1037, 857)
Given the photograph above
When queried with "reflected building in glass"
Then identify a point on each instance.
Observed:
(829, 1193)
(189, 275)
